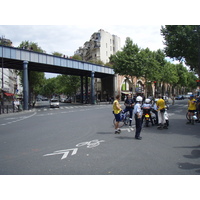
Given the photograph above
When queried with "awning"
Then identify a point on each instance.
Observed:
(8, 94)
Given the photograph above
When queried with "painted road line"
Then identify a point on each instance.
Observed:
(65, 153)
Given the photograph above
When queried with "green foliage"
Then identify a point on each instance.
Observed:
(149, 65)
(31, 46)
(77, 57)
(57, 54)
(182, 43)
(62, 84)
(127, 62)
(36, 79)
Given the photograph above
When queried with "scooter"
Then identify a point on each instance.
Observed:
(166, 115)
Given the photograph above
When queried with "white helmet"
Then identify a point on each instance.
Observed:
(147, 100)
(139, 98)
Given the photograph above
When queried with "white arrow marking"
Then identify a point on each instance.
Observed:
(127, 129)
(65, 152)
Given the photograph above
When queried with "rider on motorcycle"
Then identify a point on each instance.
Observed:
(146, 107)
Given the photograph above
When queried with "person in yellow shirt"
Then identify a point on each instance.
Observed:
(161, 110)
(192, 107)
(116, 111)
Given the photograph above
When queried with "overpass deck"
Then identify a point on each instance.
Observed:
(13, 58)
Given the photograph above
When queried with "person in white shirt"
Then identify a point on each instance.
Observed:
(138, 117)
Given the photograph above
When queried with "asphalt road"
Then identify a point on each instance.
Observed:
(80, 140)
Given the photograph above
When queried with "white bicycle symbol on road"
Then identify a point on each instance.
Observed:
(90, 144)
(65, 152)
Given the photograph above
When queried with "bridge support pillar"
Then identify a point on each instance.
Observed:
(86, 89)
(25, 85)
(92, 88)
(81, 89)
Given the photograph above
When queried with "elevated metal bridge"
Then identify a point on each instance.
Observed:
(21, 59)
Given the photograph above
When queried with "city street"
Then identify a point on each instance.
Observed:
(79, 139)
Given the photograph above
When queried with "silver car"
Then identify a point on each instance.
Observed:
(54, 103)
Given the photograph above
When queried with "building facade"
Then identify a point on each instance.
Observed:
(10, 85)
(100, 47)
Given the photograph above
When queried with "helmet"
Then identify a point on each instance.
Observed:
(191, 95)
(139, 98)
(156, 100)
(147, 100)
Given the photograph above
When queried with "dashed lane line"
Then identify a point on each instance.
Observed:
(18, 120)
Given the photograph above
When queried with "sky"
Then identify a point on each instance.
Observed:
(66, 39)
(64, 26)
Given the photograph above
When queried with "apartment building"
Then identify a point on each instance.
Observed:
(9, 79)
(100, 47)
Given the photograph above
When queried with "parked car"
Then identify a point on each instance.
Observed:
(63, 100)
(54, 103)
(69, 100)
(187, 96)
(179, 97)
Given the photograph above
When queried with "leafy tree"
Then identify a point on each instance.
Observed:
(50, 87)
(36, 79)
(150, 66)
(31, 46)
(183, 44)
(70, 84)
(127, 62)
(191, 81)
(77, 57)
(57, 54)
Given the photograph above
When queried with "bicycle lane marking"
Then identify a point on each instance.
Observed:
(18, 120)
(65, 152)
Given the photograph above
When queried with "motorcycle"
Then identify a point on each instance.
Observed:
(146, 116)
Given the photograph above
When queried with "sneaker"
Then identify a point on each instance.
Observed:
(138, 138)
(118, 131)
(160, 127)
(188, 122)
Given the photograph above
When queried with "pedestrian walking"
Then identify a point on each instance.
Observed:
(116, 111)
(138, 117)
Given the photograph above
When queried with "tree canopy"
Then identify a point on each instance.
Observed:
(152, 66)
(183, 44)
